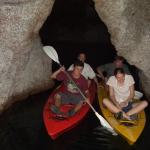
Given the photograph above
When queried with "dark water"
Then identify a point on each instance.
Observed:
(22, 128)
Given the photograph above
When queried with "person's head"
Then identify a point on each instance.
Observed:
(82, 57)
(119, 60)
(119, 74)
(78, 67)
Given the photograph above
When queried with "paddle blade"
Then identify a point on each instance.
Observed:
(105, 124)
(51, 52)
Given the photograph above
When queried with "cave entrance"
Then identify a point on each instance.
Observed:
(74, 26)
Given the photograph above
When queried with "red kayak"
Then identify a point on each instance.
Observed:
(55, 127)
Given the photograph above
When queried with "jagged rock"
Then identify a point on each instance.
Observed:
(24, 67)
(128, 22)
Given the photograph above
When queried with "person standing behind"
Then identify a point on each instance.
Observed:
(110, 67)
(87, 72)
(71, 93)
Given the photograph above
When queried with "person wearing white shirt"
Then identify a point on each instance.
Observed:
(87, 72)
(121, 94)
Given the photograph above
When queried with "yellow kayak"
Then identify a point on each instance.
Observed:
(130, 133)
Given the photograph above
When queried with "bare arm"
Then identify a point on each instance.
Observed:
(53, 76)
(87, 95)
(112, 97)
(100, 74)
(131, 88)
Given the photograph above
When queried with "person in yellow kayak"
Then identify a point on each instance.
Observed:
(121, 93)
(70, 94)
(107, 70)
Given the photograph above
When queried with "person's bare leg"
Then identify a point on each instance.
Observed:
(110, 106)
(78, 106)
(57, 100)
(113, 108)
(55, 108)
(138, 107)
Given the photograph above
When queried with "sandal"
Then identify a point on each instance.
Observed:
(118, 115)
(134, 117)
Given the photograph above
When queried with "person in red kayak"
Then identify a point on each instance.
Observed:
(71, 94)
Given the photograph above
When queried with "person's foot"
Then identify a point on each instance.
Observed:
(134, 117)
(55, 109)
(125, 116)
(71, 113)
(121, 116)
(118, 115)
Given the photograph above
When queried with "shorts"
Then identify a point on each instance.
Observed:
(127, 108)
(68, 98)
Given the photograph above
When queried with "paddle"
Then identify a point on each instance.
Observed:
(51, 52)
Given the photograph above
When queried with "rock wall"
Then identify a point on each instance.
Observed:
(128, 22)
(24, 67)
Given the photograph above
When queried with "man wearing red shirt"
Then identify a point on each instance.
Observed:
(71, 93)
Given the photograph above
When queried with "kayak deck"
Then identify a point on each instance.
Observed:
(57, 127)
(130, 133)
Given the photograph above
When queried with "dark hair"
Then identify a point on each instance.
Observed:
(81, 53)
(118, 70)
(78, 63)
(121, 58)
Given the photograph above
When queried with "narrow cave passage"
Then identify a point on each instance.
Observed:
(74, 26)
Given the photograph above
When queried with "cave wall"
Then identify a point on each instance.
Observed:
(128, 22)
(24, 67)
